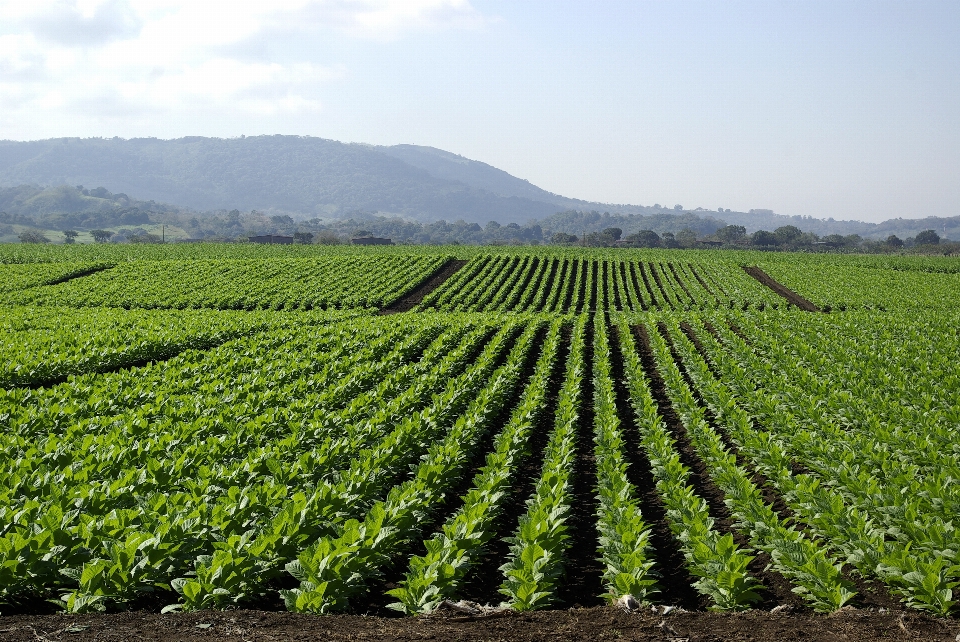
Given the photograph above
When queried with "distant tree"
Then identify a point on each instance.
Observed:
(532, 234)
(303, 238)
(69, 236)
(101, 236)
(732, 233)
(281, 219)
(562, 238)
(33, 236)
(668, 240)
(644, 238)
(614, 232)
(894, 241)
(678, 207)
(361, 234)
(328, 237)
(598, 239)
(686, 237)
(927, 237)
(492, 225)
(787, 234)
(763, 238)
(134, 216)
(834, 239)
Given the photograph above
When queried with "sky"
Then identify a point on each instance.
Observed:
(845, 109)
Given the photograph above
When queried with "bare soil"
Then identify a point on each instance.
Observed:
(598, 623)
(415, 297)
(781, 289)
(78, 275)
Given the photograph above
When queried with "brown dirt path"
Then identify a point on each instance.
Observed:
(781, 289)
(414, 298)
(599, 623)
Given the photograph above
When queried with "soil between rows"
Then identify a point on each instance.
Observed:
(674, 582)
(414, 298)
(482, 583)
(870, 593)
(781, 289)
(582, 584)
(599, 623)
(776, 589)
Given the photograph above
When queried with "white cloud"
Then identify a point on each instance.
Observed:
(386, 19)
(141, 59)
(83, 24)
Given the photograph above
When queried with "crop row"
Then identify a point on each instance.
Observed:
(852, 287)
(569, 284)
(878, 451)
(334, 457)
(44, 345)
(229, 284)
(218, 440)
(20, 276)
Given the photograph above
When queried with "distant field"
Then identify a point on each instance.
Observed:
(168, 232)
(221, 426)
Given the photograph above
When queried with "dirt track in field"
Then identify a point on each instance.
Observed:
(78, 275)
(414, 298)
(600, 623)
(781, 289)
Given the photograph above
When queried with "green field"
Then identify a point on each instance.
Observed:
(222, 426)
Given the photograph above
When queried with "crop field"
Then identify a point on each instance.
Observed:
(539, 429)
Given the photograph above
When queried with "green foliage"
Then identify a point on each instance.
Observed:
(535, 562)
(816, 575)
(452, 553)
(927, 237)
(334, 569)
(565, 281)
(299, 284)
(101, 236)
(872, 469)
(220, 453)
(33, 236)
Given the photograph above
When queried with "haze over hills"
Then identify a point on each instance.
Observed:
(309, 178)
(302, 176)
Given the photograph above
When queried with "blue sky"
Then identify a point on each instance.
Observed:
(829, 109)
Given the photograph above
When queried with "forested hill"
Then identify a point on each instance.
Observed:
(310, 177)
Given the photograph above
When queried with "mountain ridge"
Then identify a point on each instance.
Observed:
(309, 177)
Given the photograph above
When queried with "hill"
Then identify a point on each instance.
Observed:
(303, 176)
(314, 178)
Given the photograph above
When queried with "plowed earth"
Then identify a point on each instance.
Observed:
(414, 298)
(781, 289)
(599, 623)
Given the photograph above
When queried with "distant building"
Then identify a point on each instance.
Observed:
(371, 240)
(272, 239)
